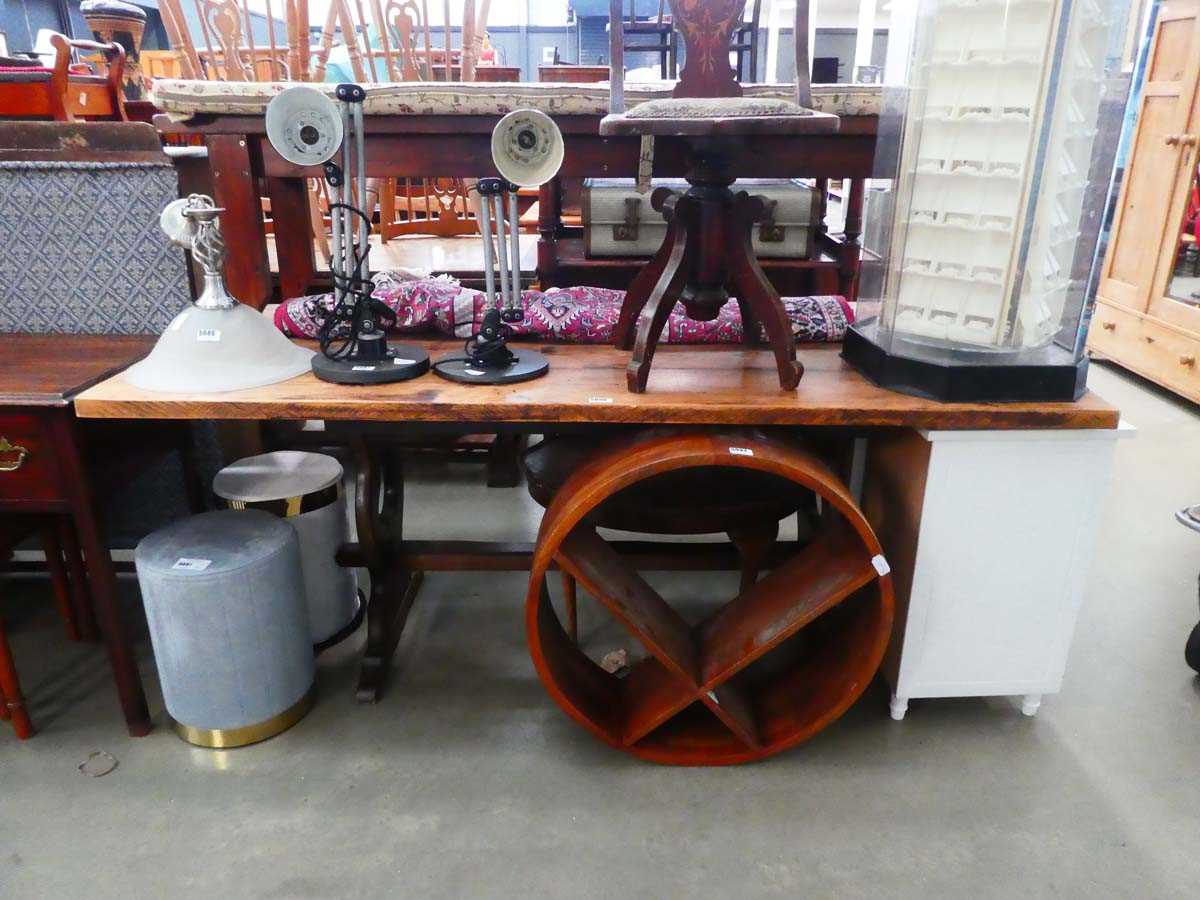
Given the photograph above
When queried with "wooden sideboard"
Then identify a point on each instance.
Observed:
(1147, 317)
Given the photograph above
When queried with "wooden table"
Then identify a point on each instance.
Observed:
(414, 146)
(43, 470)
(697, 386)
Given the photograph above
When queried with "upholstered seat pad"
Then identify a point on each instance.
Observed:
(182, 99)
(715, 108)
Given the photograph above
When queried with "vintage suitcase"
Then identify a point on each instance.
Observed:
(618, 221)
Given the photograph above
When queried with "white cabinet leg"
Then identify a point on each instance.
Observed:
(899, 706)
(1030, 704)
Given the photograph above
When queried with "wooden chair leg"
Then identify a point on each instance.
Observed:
(754, 544)
(754, 289)
(81, 597)
(571, 603)
(654, 316)
(637, 295)
(58, 580)
(11, 701)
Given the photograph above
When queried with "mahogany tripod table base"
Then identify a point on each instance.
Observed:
(706, 254)
(775, 665)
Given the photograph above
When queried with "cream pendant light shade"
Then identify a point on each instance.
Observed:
(216, 350)
(216, 344)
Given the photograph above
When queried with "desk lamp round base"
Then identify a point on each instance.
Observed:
(526, 365)
(402, 362)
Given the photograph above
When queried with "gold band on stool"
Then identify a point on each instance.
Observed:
(226, 738)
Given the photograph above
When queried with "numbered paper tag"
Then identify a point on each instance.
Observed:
(362, 369)
(880, 564)
(397, 361)
(190, 564)
(208, 335)
(741, 451)
(600, 399)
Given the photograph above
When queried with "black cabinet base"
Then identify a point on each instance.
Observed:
(1047, 374)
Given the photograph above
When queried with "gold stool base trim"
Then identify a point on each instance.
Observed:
(226, 738)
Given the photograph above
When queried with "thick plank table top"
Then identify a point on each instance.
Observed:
(586, 384)
(50, 369)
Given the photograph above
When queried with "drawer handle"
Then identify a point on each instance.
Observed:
(1187, 360)
(12, 456)
(1109, 326)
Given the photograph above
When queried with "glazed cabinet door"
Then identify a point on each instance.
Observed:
(1175, 296)
(1160, 153)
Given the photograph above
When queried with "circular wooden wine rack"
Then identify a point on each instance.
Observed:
(772, 667)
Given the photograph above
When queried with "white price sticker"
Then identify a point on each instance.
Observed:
(362, 369)
(600, 399)
(741, 451)
(880, 564)
(208, 336)
(399, 361)
(190, 564)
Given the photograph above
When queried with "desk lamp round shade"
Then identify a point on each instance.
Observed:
(217, 350)
(527, 147)
(303, 125)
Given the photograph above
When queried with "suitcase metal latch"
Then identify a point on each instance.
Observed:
(768, 231)
(628, 230)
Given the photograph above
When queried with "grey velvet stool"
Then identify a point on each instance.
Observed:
(224, 597)
(306, 489)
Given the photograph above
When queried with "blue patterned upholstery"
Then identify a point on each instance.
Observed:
(83, 251)
(84, 254)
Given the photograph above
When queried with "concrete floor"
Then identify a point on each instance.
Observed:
(466, 781)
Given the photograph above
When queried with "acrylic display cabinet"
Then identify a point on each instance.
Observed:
(990, 135)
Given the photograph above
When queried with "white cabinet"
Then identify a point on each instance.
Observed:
(990, 535)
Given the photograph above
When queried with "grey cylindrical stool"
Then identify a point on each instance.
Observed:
(306, 489)
(225, 601)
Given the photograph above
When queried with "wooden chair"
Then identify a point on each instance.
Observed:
(395, 44)
(230, 52)
(659, 31)
(64, 565)
(61, 94)
(745, 42)
(707, 255)
(12, 703)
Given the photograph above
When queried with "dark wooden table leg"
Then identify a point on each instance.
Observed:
(58, 579)
(379, 516)
(101, 579)
(504, 460)
(85, 613)
(235, 189)
(293, 235)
